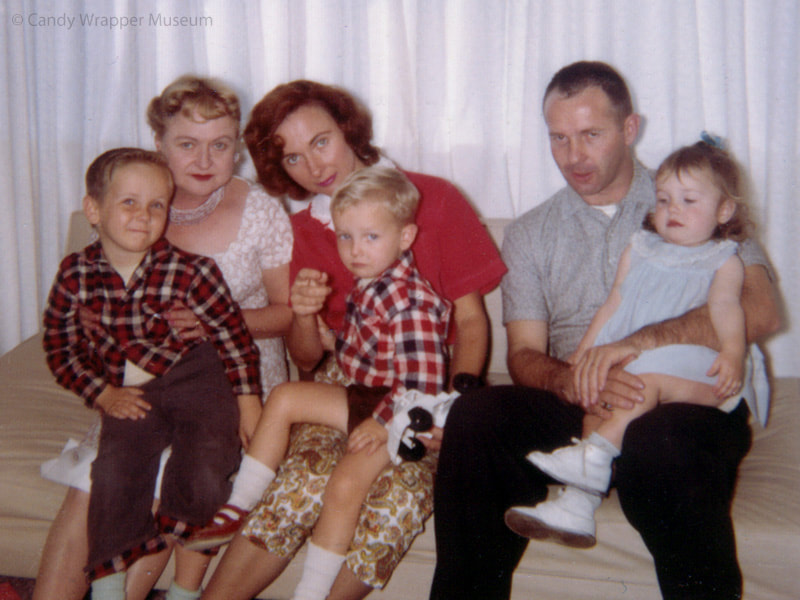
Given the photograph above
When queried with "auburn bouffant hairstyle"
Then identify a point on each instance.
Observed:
(726, 177)
(266, 149)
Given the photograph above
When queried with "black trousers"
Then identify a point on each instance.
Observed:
(675, 479)
(195, 410)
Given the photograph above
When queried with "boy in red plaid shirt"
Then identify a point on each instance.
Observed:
(394, 340)
(152, 388)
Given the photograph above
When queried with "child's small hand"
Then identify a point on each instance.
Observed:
(123, 403)
(729, 368)
(249, 414)
(326, 336)
(368, 435)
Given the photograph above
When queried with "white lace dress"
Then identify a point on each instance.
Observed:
(264, 242)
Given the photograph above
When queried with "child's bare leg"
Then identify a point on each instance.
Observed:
(613, 428)
(344, 496)
(144, 573)
(289, 403)
(295, 402)
(658, 389)
(65, 552)
(190, 568)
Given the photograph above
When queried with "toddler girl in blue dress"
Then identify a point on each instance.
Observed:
(686, 259)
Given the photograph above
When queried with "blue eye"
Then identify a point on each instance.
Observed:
(291, 159)
(322, 142)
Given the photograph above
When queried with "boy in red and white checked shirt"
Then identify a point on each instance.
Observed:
(152, 388)
(393, 340)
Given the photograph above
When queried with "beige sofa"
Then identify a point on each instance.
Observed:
(37, 417)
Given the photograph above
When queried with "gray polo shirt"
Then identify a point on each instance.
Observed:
(562, 258)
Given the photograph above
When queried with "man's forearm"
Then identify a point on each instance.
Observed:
(759, 302)
(536, 369)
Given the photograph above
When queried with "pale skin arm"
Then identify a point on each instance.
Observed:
(586, 387)
(249, 413)
(762, 317)
(529, 365)
(274, 319)
(268, 321)
(608, 308)
(308, 293)
(727, 318)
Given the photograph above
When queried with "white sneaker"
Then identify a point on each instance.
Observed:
(582, 465)
(568, 520)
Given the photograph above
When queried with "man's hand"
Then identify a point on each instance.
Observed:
(309, 290)
(368, 435)
(123, 403)
(621, 390)
(592, 369)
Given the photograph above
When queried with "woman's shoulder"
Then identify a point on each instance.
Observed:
(435, 191)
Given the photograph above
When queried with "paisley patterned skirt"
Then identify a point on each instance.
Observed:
(394, 513)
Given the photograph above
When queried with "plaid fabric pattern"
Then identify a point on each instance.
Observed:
(166, 525)
(394, 334)
(126, 559)
(132, 322)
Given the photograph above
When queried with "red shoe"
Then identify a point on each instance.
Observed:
(7, 592)
(220, 529)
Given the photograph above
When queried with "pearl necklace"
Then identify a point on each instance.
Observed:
(190, 216)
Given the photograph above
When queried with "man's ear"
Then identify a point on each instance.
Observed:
(630, 128)
(91, 209)
(407, 235)
(726, 210)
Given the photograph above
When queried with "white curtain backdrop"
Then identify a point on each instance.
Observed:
(454, 86)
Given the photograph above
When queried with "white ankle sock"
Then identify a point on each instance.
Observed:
(176, 592)
(110, 587)
(250, 483)
(319, 572)
(603, 443)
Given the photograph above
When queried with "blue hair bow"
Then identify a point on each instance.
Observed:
(711, 140)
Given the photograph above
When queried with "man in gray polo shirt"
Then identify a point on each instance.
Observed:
(676, 473)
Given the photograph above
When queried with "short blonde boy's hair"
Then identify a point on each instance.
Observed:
(384, 185)
(209, 97)
(101, 171)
